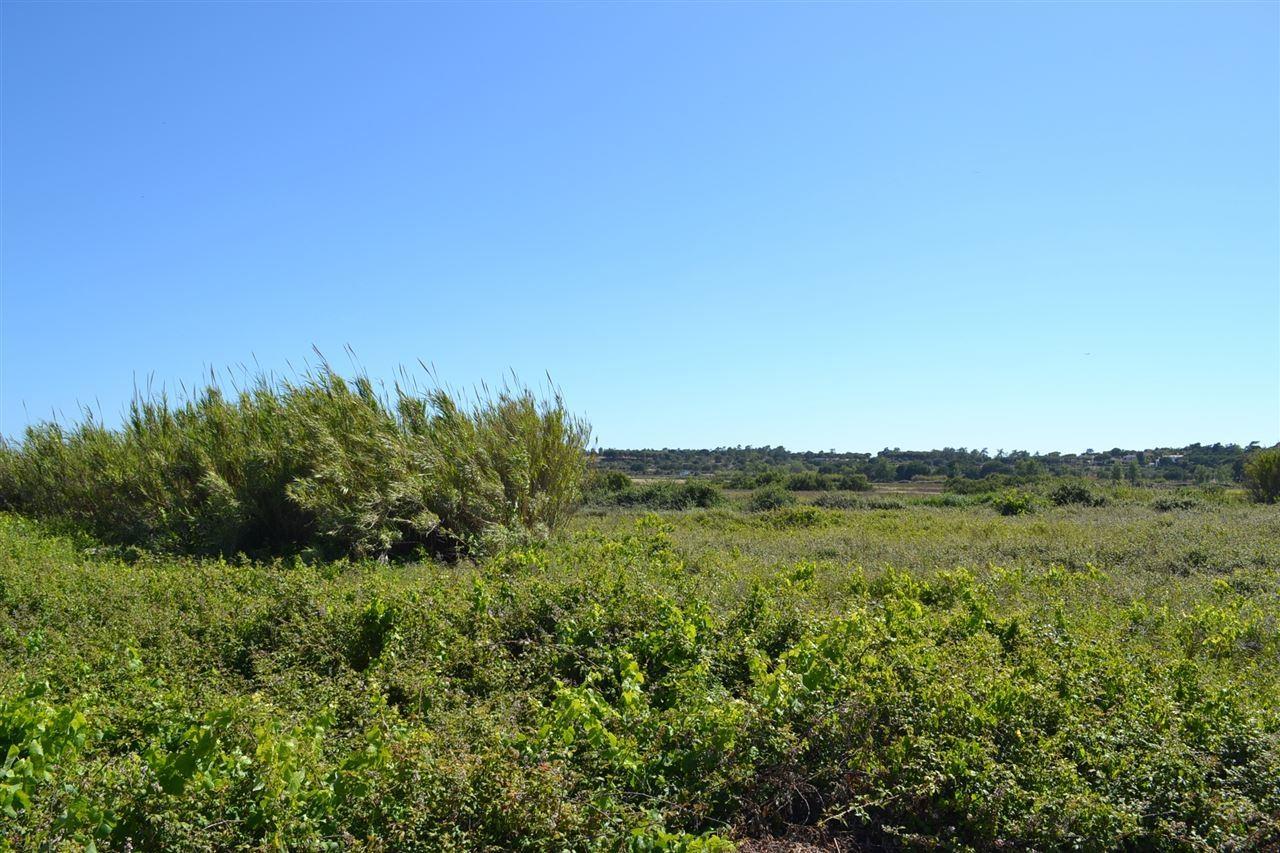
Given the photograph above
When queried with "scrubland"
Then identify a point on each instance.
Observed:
(319, 615)
(916, 677)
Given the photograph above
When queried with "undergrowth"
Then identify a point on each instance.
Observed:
(651, 683)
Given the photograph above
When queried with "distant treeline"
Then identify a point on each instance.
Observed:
(744, 467)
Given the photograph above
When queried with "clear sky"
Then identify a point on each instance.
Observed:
(825, 226)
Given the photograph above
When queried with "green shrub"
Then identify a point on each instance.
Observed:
(807, 481)
(1013, 502)
(35, 737)
(1262, 475)
(853, 482)
(636, 690)
(755, 479)
(1075, 492)
(604, 482)
(666, 495)
(770, 497)
(321, 463)
(703, 494)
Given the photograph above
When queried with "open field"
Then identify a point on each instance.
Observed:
(922, 677)
(914, 484)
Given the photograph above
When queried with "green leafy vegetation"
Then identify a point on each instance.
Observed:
(205, 646)
(1170, 504)
(610, 488)
(1014, 502)
(1076, 492)
(1262, 476)
(938, 676)
(770, 497)
(323, 465)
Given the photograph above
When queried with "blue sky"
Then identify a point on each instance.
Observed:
(850, 226)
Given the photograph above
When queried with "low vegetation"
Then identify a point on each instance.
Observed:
(1014, 502)
(932, 676)
(615, 489)
(204, 643)
(770, 497)
(1076, 492)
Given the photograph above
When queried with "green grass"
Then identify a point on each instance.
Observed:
(924, 677)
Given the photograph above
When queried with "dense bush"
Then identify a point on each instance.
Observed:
(1013, 502)
(688, 495)
(1262, 475)
(755, 478)
(602, 692)
(808, 481)
(700, 493)
(322, 463)
(798, 481)
(797, 517)
(984, 485)
(910, 470)
(853, 482)
(693, 494)
(602, 482)
(1170, 503)
(1075, 492)
(769, 497)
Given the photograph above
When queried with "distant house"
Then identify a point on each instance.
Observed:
(1172, 459)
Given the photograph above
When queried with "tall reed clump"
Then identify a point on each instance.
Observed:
(321, 463)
